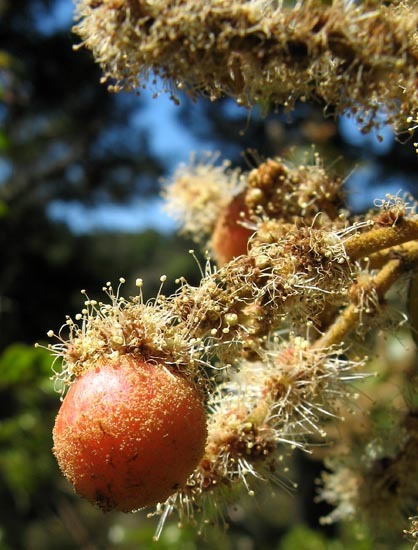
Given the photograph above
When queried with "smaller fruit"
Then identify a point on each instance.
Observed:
(128, 434)
(230, 237)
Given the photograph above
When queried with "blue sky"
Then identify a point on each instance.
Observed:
(173, 143)
(169, 141)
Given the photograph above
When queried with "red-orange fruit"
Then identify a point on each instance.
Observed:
(129, 434)
(230, 237)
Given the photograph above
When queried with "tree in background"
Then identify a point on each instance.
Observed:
(273, 337)
(62, 139)
(58, 138)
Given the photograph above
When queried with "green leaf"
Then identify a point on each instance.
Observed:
(3, 209)
(4, 139)
(412, 305)
(22, 363)
(302, 537)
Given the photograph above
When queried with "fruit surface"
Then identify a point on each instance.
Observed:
(230, 237)
(129, 434)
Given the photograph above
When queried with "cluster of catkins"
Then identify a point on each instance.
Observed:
(267, 339)
(261, 357)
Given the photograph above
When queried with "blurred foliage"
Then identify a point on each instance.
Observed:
(354, 538)
(64, 137)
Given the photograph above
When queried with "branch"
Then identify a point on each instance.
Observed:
(349, 56)
(380, 284)
(363, 244)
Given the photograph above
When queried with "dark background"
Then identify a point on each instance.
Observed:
(79, 182)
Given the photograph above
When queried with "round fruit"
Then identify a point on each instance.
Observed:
(230, 238)
(129, 434)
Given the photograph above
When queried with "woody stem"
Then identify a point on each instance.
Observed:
(405, 257)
